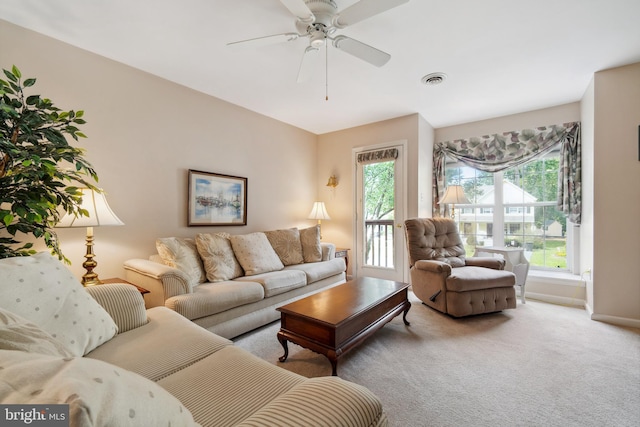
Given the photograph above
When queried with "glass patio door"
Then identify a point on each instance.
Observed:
(380, 202)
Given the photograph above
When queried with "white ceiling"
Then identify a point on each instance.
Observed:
(500, 56)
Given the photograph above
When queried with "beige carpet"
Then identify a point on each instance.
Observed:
(538, 365)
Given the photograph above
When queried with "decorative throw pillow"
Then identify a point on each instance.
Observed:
(287, 245)
(255, 254)
(17, 333)
(311, 249)
(98, 394)
(218, 258)
(182, 253)
(42, 290)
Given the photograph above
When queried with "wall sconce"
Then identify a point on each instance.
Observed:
(333, 182)
(454, 194)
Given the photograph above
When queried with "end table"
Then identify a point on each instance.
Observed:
(117, 280)
(343, 253)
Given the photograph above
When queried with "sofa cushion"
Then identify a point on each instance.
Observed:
(255, 254)
(98, 394)
(287, 245)
(182, 253)
(17, 333)
(167, 343)
(320, 270)
(212, 298)
(42, 290)
(311, 249)
(278, 282)
(236, 385)
(463, 279)
(217, 255)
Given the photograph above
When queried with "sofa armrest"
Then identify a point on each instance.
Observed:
(328, 251)
(433, 266)
(488, 262)
(123, 302)
(321, 401)
(162, 281)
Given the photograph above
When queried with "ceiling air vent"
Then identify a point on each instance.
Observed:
(433, 79)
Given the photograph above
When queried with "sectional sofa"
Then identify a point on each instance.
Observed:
(231, 284)
(115, 363)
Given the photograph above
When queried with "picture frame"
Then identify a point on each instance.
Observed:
(216, 199)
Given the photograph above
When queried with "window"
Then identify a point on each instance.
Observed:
(516, 207)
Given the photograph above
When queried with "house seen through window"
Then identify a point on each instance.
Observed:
(515, 207)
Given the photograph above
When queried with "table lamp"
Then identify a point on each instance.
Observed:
(319, 212)
(99, 214)
(454, 194)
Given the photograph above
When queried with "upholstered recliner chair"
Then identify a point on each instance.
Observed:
(443, 278)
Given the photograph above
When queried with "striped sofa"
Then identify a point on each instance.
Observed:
(113, 362)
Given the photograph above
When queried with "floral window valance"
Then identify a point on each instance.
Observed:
(378, 155)
(497, 152)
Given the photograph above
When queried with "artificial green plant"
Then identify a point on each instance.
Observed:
(40, 173)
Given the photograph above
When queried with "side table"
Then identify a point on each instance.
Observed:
(343, 253)
(515, 261)
(117, 280)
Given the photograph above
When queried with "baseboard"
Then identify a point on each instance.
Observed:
(615, 320)
(553, 299)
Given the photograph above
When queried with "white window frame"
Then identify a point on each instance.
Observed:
(500, 211)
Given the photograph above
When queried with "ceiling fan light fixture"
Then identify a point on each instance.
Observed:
(317, 36)
(433, 79)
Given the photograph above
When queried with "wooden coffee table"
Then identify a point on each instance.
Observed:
(334, 321)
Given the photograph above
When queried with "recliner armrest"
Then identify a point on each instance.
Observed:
(433, 266)
(488, 262)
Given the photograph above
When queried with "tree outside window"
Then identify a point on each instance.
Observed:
(524, 208)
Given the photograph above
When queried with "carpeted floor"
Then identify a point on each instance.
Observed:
(538, 365)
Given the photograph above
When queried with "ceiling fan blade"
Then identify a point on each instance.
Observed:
(364, 9)
(300, 9)
(265, 41)
(363, 51)
(308, 64)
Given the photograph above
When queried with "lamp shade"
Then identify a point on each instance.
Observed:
(99, 212)
(319, 211)
(454, 195)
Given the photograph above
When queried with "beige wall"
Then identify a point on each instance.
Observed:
(587, 106)
(616, 172)
(145, 133)
(547, 116)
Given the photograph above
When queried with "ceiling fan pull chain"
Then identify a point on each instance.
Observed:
(326, 71)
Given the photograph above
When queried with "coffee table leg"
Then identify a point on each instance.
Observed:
(284, 343)
(334, 367)
(404, 316)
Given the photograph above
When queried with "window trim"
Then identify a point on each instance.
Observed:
(499, 214)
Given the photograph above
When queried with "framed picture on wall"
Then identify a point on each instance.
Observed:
(216, 199)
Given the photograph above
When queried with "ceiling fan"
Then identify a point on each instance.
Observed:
(318, 20)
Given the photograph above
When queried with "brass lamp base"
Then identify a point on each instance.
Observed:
(90, 278)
